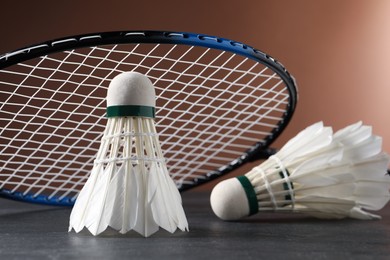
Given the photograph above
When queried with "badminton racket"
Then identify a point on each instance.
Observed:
(220, 104)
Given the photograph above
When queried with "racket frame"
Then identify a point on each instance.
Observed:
(259, 150)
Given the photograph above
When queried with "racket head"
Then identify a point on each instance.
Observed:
(220, 104)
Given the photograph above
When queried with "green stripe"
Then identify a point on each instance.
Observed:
(139, 111)
(250, 194)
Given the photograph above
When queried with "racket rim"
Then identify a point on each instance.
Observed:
(258, 150)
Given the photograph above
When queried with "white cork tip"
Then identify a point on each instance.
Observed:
(131, 88)
(229, 200)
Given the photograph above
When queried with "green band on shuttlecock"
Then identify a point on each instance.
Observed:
(131, 110)
(250, 194)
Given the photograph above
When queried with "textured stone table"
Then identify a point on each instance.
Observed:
(30, 231)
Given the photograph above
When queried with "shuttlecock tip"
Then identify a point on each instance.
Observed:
(229, 200)
(131, 88)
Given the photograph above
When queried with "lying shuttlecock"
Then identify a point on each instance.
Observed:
(317, 173)
(129, 187)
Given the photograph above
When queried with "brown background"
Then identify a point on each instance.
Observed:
(338, 50)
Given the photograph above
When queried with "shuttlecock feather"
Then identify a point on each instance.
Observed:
(317, 172)
(129, 187)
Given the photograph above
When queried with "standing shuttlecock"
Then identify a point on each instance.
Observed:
(129, 187)
(317, 173)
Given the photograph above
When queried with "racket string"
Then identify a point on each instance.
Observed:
(212, 105)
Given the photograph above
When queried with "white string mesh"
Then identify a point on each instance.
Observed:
(211, 106)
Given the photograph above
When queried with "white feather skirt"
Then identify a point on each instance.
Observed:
(326, 175)
(129, 187)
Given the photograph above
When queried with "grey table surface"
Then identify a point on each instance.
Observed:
(29, 231)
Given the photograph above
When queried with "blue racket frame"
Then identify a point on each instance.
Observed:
(259, 150)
